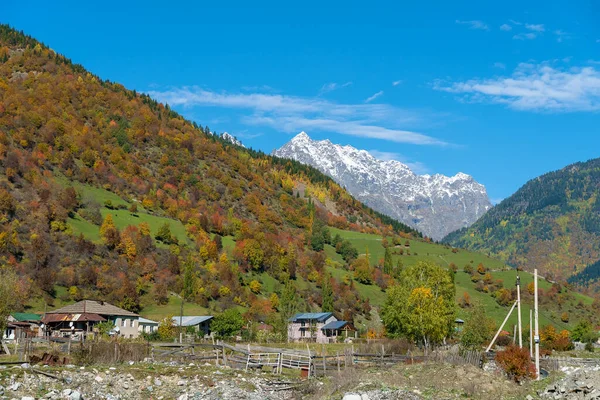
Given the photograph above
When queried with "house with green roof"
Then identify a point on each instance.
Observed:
(23, 325)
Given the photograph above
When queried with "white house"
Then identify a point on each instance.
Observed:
(316, 327)
(147, 325)
(200, 323)
(78, 319)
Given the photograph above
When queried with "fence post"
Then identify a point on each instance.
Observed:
(115, 355)
(338, 361)
(69, 347)
(280, 364)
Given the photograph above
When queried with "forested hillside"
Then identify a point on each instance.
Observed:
(552, 223)
(109, 194)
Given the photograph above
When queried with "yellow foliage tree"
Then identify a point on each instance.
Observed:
(255, 286)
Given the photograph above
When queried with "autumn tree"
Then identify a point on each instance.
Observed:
(421, 307)
(164, 234)
(9, 302)
(109, 233)
(478, 329)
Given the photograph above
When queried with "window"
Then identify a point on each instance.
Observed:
(123, 321)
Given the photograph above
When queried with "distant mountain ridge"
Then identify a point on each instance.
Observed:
(434, 204)
(551, 223)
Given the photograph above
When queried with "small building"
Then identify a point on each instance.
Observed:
(338, 329)
(147, 325)
(199, 323)
(79, 319)
(25, 325)
(310, 327)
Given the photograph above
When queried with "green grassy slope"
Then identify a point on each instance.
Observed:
(121, 217)
(443, 255)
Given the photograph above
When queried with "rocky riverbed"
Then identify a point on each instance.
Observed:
(162, 381)
(577, 384)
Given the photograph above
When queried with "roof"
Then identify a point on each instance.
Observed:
(91, 317)
(95, 307)
(459, 321)
(191, 320)
(335, 325)
(26, 317)
(319, 317)
(145, 321)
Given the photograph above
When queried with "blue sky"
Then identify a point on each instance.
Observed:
(504, 91)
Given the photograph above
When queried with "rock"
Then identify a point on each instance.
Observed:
(25, 365)
(183, 397)
(66, 392)
(27, 398)
(98, 378)
(15, 386)
(75, 395)
(529, 397)
(180, 383)
(157, 382)
(352, 396)
(364, 396)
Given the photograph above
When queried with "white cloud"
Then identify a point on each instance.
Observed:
(292, 114)
(540, 87)
(561, 35)
(523, 36)
(499, 65)
(330, 87)
(396, 83)
(512, 21)
(415, 166)
(375, 95)
(474, 24)
(505, 27)
(535, 27)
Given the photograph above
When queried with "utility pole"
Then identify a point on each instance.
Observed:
(520, 329)
(181, 320)
(537, 327)
(531, 333)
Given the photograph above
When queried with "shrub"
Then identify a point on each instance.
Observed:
(516, 362)
(503, 340)
(589, 347)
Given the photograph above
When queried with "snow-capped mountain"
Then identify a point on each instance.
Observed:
(229, 138)
(434, 204)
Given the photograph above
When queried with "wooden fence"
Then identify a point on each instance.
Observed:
(245, 357)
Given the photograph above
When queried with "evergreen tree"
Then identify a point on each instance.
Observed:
(388, 266)
(327, 294)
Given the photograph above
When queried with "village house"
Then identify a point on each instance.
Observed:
(23, 325)
(199, 323)
(147, 325)
(79, 319)
(317, 327)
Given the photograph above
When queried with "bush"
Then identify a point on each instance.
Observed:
(589, 347)
(503, 340)
(516, 362)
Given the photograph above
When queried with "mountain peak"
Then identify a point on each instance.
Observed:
(302, 136)
(436, 205)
